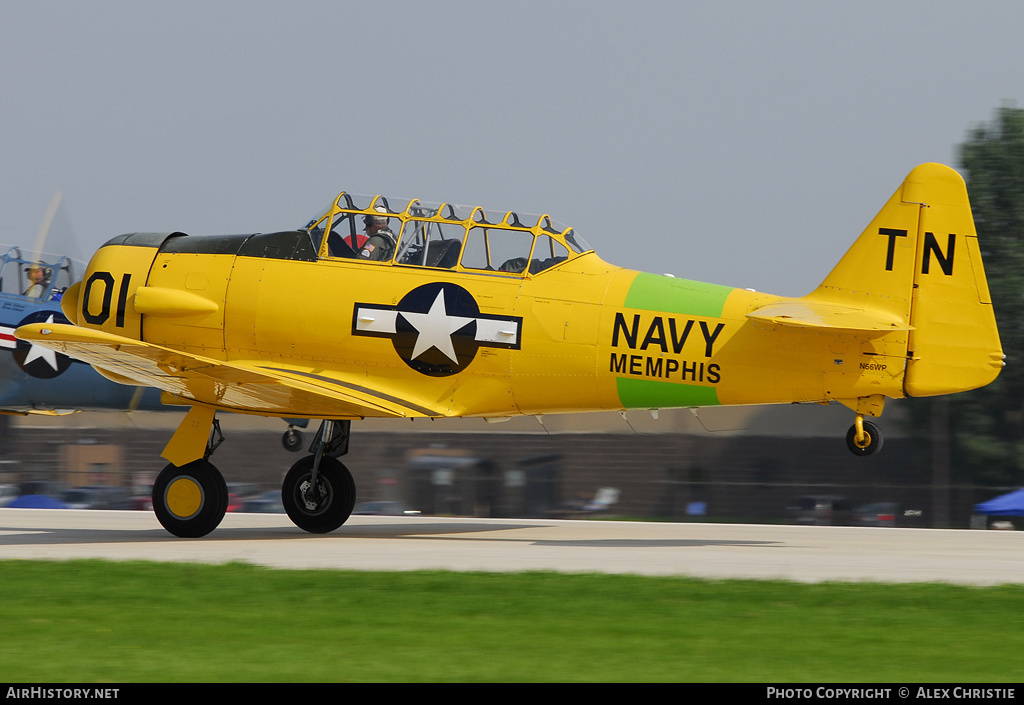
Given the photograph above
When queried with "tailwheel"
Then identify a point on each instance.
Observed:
(323, 506)
(292, 440)
(863, 438)
(190, 501)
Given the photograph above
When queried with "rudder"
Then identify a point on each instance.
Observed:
(955, 342)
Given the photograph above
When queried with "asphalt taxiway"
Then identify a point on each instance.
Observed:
(799, 553)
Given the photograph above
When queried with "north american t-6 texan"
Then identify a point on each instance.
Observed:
(391, 308)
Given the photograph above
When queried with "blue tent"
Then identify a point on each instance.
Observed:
(1005, 505)
(37, 501)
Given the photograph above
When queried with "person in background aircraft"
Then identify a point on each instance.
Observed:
(38, 280)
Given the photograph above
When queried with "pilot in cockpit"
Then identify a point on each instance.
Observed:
(381, 242)
(38, 280)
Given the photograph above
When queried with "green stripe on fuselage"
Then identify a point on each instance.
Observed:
(657, 293)
(652, 394)
(672, 296)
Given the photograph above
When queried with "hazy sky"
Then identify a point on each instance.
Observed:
(741, 143)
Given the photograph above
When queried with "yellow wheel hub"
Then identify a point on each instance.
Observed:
(184, 497)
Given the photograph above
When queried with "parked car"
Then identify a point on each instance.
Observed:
(245, 490)
(8, 493)
(877, 514)
(384, 508)
(821, 510)
(141, 502)
(265, 503)
(99, 497)
(48, 488)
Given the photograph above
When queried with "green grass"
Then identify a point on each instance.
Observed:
(95, 621)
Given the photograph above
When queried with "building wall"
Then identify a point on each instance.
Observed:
(742, 478)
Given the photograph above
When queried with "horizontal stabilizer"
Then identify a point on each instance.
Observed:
(816, 314)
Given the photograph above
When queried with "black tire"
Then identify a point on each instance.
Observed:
(292, 440)
(190, 501)
(873, 441)
(336, 492)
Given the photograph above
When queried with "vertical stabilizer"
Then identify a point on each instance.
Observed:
(919, 260)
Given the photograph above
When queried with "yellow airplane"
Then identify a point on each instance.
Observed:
(380, 308)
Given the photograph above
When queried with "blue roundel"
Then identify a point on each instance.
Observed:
(35, 360)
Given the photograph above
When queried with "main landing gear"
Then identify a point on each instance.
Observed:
(318, 491)
(190, 501)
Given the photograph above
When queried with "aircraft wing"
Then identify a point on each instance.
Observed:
(816, 314)
(36, 412)
(243, 387)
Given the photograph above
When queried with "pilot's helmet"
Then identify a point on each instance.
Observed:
(371, 220)
(45, 271)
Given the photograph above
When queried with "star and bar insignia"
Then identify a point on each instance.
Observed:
(35, 360)
(437, 328)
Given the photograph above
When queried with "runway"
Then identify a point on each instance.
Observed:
(797, 553)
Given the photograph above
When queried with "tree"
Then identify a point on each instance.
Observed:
(986, 426)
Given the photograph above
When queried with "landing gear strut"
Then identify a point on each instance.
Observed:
(190, 501)
(318, 505)
(318, 492)
(863, 438)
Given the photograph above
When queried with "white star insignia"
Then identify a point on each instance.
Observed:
(38, 352)
(435, 328)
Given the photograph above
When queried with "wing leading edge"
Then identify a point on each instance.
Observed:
(236, 386)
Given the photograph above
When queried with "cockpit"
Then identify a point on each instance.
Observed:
(43, 278)
(442, 236)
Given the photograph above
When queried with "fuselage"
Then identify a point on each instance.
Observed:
(577, 335)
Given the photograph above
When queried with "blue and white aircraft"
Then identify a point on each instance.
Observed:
(34, 380)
